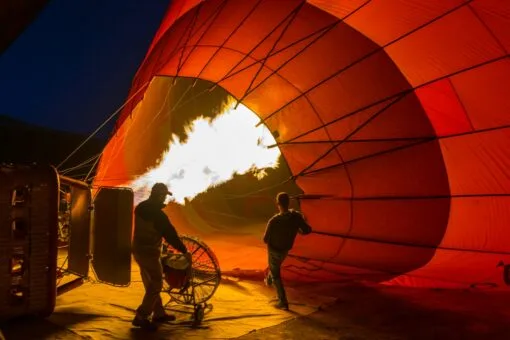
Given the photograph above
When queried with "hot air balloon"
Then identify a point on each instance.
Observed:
(391, 116)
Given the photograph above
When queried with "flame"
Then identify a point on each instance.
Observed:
(215, 150)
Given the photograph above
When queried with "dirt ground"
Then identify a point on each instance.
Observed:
(384, 313)
(242, 310)
(345, 311)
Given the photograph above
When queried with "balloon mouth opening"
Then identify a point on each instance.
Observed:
(235, 204)
(214, 146)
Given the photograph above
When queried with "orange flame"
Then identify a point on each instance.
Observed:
(215, 150)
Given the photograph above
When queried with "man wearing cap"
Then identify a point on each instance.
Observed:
(151, 225)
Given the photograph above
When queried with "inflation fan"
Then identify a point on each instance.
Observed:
(191, 284)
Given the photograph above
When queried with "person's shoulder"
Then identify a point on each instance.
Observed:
(296, 213)
(140, 206)
(274, 217)
(148, 207)
(143, 203)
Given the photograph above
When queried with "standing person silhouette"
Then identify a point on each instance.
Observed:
(279, 236)
(151, 226)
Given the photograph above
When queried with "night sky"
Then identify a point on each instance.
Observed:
(73, 66)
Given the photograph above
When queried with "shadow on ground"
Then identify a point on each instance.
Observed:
(360, 312)
(37, 328)
(383, 313)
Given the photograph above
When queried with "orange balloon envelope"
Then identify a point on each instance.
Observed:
(393, 117)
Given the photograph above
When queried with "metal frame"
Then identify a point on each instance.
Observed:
(183, 296)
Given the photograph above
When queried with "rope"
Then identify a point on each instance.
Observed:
(396, 198)
(358, 128)
(116, 151)
(277, 52)
(228, 37)
(397, 96)
(321, 33)
(216, 14)
(176, 48)
(291, 17)
(354, 160)
(91, 169)
(102, 125)
(190, 27)
(366, 56)
(411, 244)
(229, 197)
(362, 140)
(423, 141)
(383, 271)
(81, 165)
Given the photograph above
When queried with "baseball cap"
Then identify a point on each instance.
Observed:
(160, 188)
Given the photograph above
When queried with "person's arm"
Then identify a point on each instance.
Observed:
(163, 225)
(304, 228)
(268, 231)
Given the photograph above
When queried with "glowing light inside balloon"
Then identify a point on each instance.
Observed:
(214, 151)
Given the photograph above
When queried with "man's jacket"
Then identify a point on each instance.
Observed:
(151, 225)
(282, 229)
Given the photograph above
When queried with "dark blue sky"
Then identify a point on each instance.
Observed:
(73, 66)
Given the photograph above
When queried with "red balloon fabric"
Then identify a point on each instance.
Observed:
(393, 117)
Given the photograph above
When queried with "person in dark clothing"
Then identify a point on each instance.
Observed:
(280, 235)
(151, 226)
